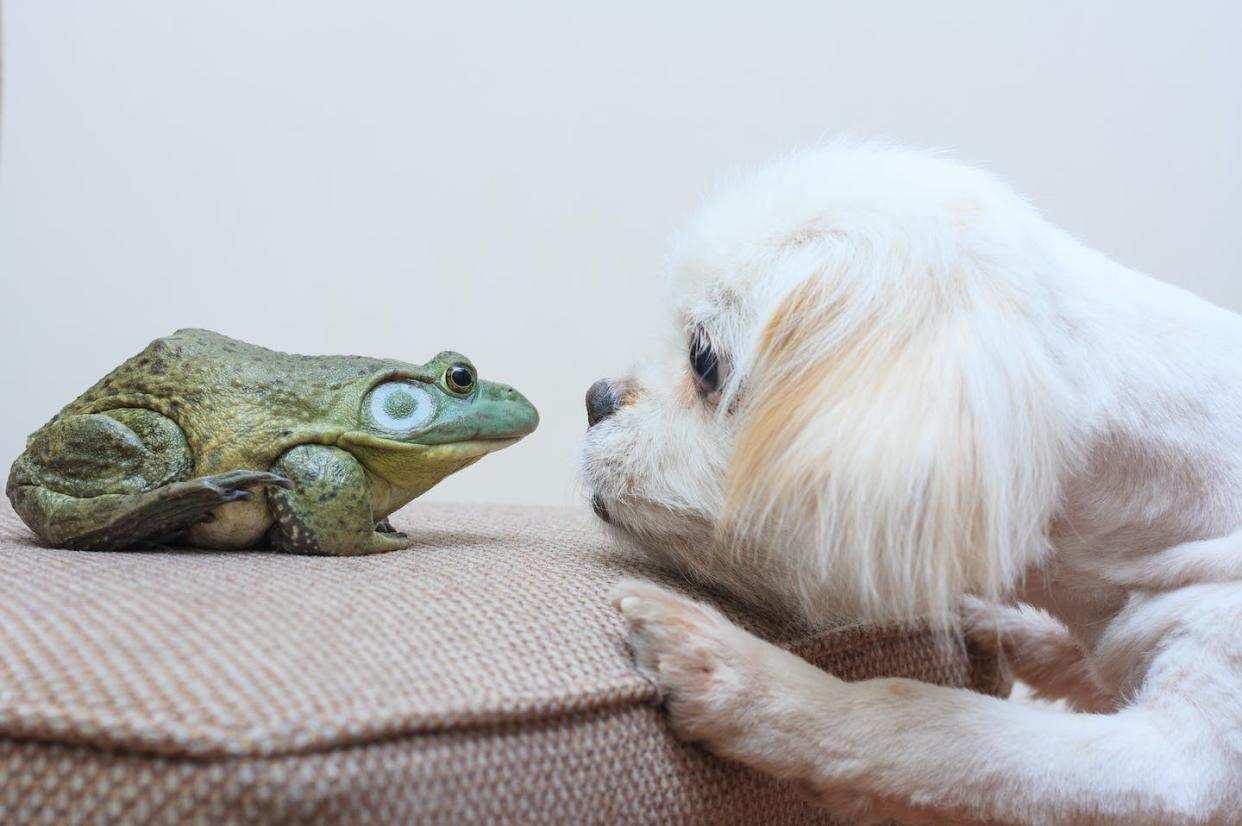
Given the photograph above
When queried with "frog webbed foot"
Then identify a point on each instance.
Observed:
(232, 486)
(199, 497)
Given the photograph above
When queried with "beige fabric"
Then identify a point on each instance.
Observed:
(479, 676)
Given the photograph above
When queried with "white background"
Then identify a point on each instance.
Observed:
(396, 178)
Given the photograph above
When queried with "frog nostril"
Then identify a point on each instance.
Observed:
(601, 402)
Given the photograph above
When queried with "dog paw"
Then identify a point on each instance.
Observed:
(739, 696)
(983, 623)
(708, 671)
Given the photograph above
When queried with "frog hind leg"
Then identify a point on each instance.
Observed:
(328, 510)
(115, 480)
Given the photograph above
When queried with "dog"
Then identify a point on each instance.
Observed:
(891, 391)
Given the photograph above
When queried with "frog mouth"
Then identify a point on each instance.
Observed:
(477, 445)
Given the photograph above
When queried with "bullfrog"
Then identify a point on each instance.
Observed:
(211, 442)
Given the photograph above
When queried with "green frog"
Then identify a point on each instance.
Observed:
(211, 442)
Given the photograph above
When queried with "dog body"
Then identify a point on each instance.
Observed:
(893, 391)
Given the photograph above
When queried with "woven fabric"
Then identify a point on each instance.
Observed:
(481, 675)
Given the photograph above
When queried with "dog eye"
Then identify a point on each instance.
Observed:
(705, 365)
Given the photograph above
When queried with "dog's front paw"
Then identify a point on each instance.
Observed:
(708, 670)
(739, 696)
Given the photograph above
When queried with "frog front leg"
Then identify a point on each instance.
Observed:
(328, 510)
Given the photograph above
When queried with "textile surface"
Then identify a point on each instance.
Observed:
(480, 676)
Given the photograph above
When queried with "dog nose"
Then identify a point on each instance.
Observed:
(601, 402)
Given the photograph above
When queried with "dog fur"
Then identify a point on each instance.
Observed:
(933, 403)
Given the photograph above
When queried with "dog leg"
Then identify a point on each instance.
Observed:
(1190, 563)
(1039, 651)
(899, 748)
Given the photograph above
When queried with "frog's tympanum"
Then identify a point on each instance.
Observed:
(215, 443)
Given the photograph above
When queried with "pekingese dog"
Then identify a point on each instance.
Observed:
(892, 390)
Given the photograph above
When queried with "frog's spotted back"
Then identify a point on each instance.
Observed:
(234, 400)
(183, 440)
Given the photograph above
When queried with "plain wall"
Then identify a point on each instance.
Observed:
(394, 178)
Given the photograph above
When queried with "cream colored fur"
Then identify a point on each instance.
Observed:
(932, 397)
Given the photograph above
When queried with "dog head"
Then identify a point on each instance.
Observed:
(857, 410)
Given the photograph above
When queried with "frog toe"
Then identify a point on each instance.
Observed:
(240, 479)
(384, 542)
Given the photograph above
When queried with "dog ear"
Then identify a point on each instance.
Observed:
(897, 450)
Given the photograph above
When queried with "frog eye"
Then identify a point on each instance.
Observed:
(400, 406)
(459, 378)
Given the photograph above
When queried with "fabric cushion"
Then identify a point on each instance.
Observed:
(481, 675)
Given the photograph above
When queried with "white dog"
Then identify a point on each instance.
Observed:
(894, 389)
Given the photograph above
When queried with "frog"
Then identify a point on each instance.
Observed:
(208, 442)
